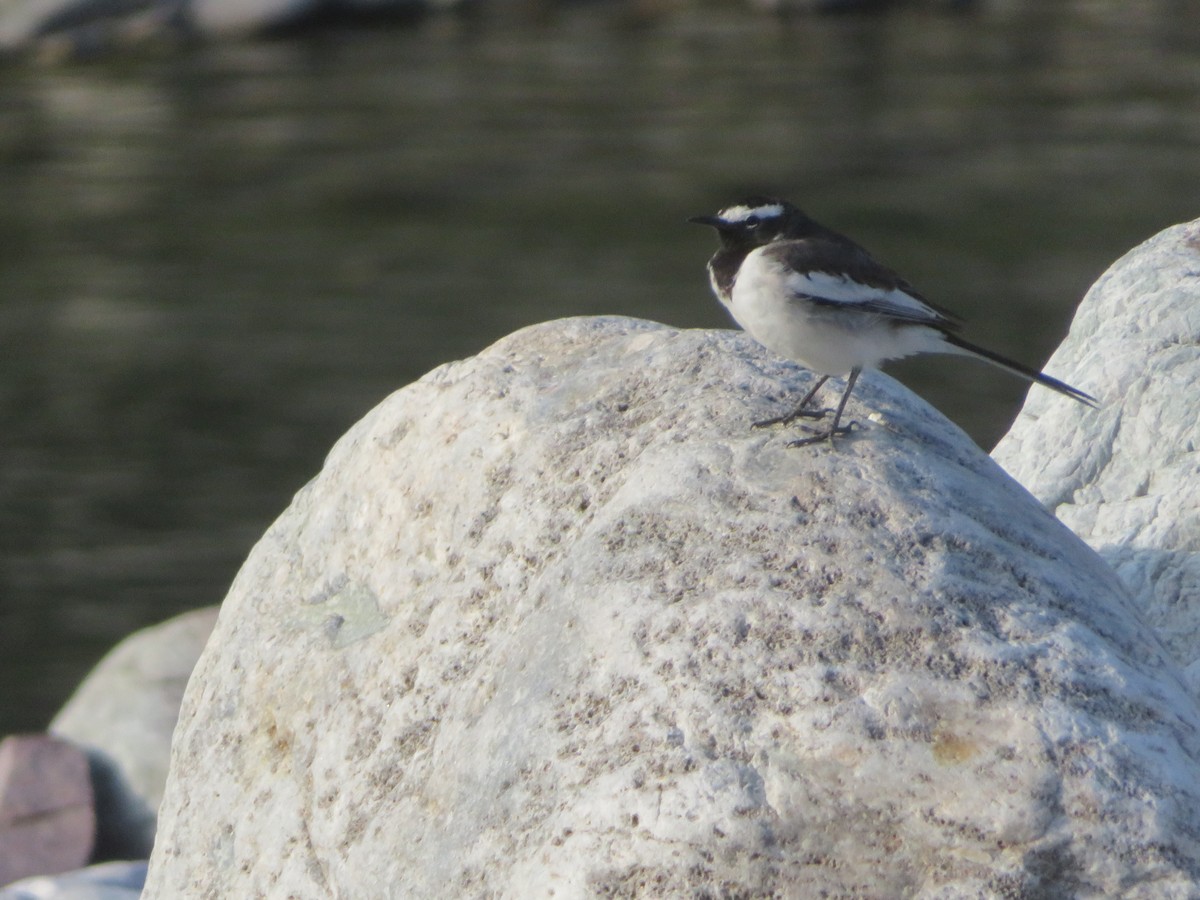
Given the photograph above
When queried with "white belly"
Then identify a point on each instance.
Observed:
(825, 338)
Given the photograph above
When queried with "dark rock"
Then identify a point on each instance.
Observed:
(47, 824)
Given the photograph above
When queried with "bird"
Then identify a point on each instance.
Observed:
(814, 296)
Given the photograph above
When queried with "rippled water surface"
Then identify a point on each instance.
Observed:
(213, 261)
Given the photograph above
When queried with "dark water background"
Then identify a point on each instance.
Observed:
(213, 261)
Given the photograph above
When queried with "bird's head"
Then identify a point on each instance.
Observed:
(756, 221)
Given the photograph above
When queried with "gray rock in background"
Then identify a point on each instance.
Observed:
(1126, 478)
(73, 27)
(47, 823)
(67, 28)
(123, 714)
(554, 619)
(21, 19)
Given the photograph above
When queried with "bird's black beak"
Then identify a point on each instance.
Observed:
(710, 221)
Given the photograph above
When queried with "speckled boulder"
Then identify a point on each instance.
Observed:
(553, 621)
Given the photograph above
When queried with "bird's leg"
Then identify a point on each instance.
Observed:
(800, 411)
(835, 430)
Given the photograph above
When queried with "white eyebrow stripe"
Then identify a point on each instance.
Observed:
(843, 289)
(742, 213)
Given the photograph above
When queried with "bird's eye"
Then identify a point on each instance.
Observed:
(753, 221)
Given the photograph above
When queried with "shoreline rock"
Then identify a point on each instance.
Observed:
(106, 881)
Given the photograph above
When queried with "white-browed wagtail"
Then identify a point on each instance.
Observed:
(816, 297)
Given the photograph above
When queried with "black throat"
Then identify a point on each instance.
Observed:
(723, 269)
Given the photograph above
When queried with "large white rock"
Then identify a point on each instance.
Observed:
(554, 621)
(1126, 478)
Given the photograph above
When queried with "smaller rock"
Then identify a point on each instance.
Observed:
(47, 823)
(123, 714)
(107, 881)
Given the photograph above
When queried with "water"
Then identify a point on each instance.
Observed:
(213, 261)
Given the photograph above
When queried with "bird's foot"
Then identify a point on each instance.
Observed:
(828, 435)
(791, 417)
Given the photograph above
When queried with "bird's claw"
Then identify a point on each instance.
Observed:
(829, 435)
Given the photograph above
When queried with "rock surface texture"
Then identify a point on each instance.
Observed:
(553, 621)
(1126, 478)
(123, 714)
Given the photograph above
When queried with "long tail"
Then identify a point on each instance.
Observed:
(1016, 368)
